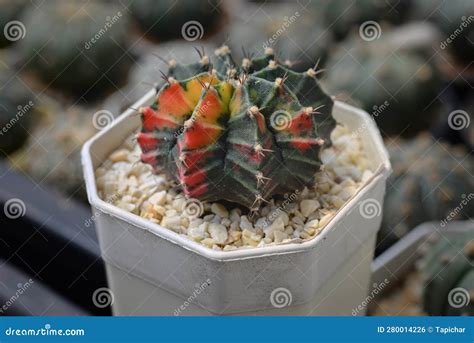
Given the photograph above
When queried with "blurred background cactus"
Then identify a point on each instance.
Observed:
(79, 48)
(430, 181)
(448, 275)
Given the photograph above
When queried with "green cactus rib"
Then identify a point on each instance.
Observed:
(237, 133)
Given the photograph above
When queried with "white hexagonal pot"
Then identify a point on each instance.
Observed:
(155, 271)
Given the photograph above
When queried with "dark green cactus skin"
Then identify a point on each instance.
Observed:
(17, 106)
(220, 142)
(9, 10)
(297, 34)
(449, 264)
(399, 87)
(59, 49)
(164, 19)
(342, 16)
(430, 180)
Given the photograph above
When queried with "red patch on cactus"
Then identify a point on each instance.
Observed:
(300, 124)
(152, 120)
(210, 109)
(261, 122)
(193, 179)
(198, 191)
(172, 100)
(303, 144)
(149, 158)
(200, 135)
(147, 141)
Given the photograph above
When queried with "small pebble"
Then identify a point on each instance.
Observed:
(219, 210)
(218, 233)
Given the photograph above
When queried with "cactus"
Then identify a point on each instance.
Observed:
(396, 84)
(10, 10)
(455, 19)
(16, 112)
(294, 31)
(168, 19)
(237, 133)
(51, 155)
(341, 15)
(431, 181)
(448, 267)
(79, 48)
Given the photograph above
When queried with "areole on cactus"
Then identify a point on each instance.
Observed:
(237, 133)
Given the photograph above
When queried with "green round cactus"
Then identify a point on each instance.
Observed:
(79, 48)
(168, 19)
(11, 30)
(296, 32)
(430, 181)
(448, 275)
(240, 133)
(398, 86)
(341, 16)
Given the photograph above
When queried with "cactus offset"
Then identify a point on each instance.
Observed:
(237, 133)
(449, 265)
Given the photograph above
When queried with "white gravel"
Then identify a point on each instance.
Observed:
(129, 184)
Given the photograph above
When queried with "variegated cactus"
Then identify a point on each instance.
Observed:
(240, 133)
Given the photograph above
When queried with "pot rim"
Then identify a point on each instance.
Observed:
(382, 172)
